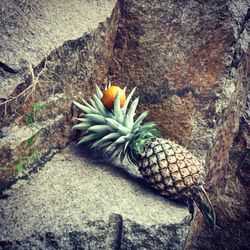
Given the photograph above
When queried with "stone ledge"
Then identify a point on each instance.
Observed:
(71, 193)
(68, 72)
(32, 29)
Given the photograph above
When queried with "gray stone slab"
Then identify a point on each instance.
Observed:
(73, 196)
(30, 30)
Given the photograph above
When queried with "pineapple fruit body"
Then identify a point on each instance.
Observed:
(170, 168)
(165, 165)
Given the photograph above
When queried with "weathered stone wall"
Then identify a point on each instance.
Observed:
(31, 73)
(189, 62)
(228, 160)
(175, 52)
(68, 202)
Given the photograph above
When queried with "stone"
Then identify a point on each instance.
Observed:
(52, 73)
(74, 201)
(31, 30)
(114, 234)
(189, 62)
(230, 159)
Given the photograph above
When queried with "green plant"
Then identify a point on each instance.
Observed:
(20, 168)
(31, 140)
(30, 119)
(31, 155)
(31, 148)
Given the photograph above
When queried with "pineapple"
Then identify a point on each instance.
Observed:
(165, 165)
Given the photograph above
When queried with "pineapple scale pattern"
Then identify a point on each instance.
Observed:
(170, 168)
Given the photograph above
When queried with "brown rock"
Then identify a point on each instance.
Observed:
(188, 61)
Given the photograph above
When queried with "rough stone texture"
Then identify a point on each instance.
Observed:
(175, 55)
(114, 232)
(30, 30)
(189, 60)
(54, 78)
(76, 210)
(229, 178)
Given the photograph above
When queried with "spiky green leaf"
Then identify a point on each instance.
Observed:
(100, 106)
(126, 146)
(82, 107)
(129, 118)
(155, 132)
(94, 105)
(102, 129)
(88, 138)
(85, 120)
(117, 152)
(116, 126)
(125, 106)
(119, 142)
(117, 109)
(87, 104)
(109, 137)
(81, 119)
(123, 139)
(82, 126)
(96, 118)
(139, 120)
(147, 126)
(98, 92)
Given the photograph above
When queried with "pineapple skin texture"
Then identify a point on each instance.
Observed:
(170, 168)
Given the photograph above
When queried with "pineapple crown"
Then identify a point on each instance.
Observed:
(114, 131)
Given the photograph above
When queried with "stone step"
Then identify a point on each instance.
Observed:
(31, 30)
(74, 202)
(29, 145)
(67, 66)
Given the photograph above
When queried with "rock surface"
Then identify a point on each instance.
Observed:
(52, 79)
(71, 204)
(32, 29)
(189, 60)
